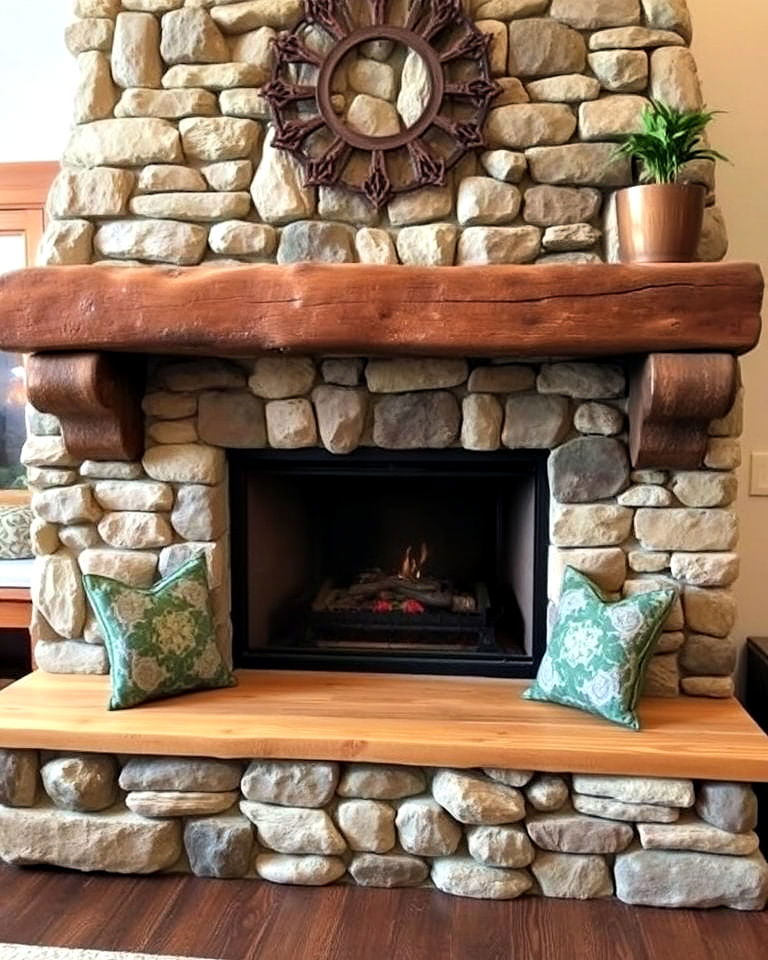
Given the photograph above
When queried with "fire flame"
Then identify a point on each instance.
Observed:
(412, 566)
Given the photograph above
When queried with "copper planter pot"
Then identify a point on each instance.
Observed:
(660, 222)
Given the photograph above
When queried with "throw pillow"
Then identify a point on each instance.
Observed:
(15, 539)
(160, 641)
(599, 650)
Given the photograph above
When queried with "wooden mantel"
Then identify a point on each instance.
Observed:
(584, 310)
(684, 324)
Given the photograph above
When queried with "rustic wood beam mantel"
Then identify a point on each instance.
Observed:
(585, 310)
(683, 322)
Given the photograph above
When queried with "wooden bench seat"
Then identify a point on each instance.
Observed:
(432, 721)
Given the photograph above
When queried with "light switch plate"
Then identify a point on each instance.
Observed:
(758, 475)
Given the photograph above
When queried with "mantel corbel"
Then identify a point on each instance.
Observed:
(673, 398)
(97, 398)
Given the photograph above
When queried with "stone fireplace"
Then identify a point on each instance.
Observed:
(388, 464)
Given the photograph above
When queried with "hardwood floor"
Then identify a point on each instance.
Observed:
(247, 920)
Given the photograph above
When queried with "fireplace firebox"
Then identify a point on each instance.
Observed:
(419, 562)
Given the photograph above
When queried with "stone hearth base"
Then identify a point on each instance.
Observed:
(496, 834)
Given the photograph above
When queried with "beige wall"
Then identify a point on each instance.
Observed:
(730, 51)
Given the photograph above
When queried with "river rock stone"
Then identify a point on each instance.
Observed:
(620, 71)
(394, 870)
(232, 419)
(309, 240)
(589, 525)
(547, 792)
(420, 206)
(429, 245)
(473, 799)
(123, 143)
(291, 424)
(373, 781)
(239, 238)
(214, 76)
(278, 378)
(374, 246)
(688, 529)
(657, 790)
(579, 164)
(646, 561)
(465, 877)
(696, 835)
(73, 504)
(482, 417)
(506, 165)
(483, 200)
(277, 190)
(588, 469)
(136, 569)
(582, 381)
(547, 206)
(171, 558)
(200, 512)
(219, 846)
(723, 453)
(611, 117)
(19, 776)
(191, 36)
(709, 655)
(544, 47)
(185, 463)
(100, 192)
(166, 104)
(719, 688)
(510, 778)
(704, 488)
(70, 656)
(709, 611)
(311, 871)
(115, 841)
(290, 783)
(620, 810)
(488, 245)
(413, 373)
(135, 52)
(727, 806)
(535, 422)
(95, 94)
(646, 495)
(157, 241)
(44, 538)
(342, 371)
(256, 46)
(341, 417)
(505, 378)
(186, 774)
(571, 88)
(294, 829)
(208, 374)
(662, 678)
(368, 825)
(91, 33)
(372, 116)
(228, 175)
(568, 832)
(57, 593)
(598, 419)
(219, 138)
(133, 530)
(522, 125)
(84, 782)
(596, 14)
(500, 846)
(606, 567)
(172, 803)
(244, 102)
(511, 9)
(43, 478)
(675, 79)
(65, 243)
(192, 206)
(424, 828)
(148, 495)
(659, 878)
(575, 236)
(410, 421)
(572, 876)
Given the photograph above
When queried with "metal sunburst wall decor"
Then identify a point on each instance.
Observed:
(313, 122)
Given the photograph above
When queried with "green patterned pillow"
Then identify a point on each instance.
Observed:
(160, 641)
(15, 539)
(599, 651)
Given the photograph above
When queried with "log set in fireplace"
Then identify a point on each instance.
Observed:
(421, 562)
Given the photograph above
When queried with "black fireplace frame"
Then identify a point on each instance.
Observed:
(373, 461)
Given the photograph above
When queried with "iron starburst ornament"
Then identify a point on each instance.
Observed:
(310, 105)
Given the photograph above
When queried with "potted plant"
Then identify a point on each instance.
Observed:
(660, 220)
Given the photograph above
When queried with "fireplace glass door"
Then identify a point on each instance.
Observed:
(410, 562)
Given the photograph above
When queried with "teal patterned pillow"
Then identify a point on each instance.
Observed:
(160, 641)
(15, 538)
(599, 651)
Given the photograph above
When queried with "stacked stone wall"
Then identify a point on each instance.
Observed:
(171, 159)
(628, 530)
(491, 834)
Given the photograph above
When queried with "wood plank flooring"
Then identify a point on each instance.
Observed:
(248, 920)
